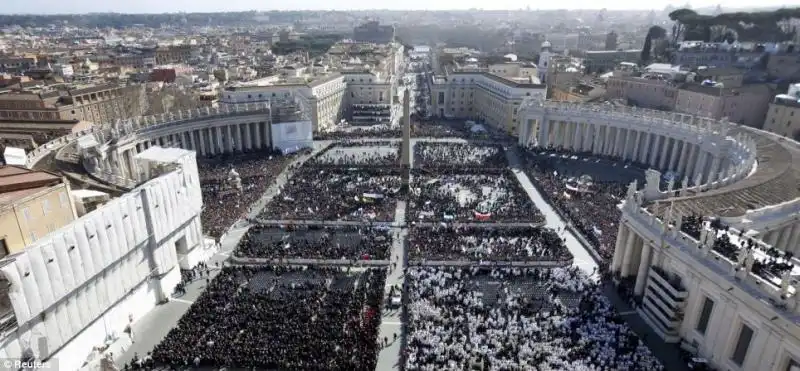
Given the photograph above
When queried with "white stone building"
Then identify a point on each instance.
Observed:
(80, 286)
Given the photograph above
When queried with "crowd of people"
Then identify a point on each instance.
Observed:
(449, 155)
(482, 197)
(366, 194)
(226, 199)
(280, 318)
(379, 131)
(591, 210)
(360, 153)
(486, 244)
(315, 242)
(516, 319)
(773, 262)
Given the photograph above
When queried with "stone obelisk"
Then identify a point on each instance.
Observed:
(405, 155)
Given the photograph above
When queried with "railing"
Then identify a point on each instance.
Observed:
(741, 152)
(123, 128)
(700, 252)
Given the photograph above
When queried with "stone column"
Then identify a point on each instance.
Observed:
(683, 158)
(577, 142)
(201, 136)
(637, 146)
(663, 161)
(237, 138)
(644, 269)
(218, 137)
(673, 161)
(267, 134)
(654, 150)
(228, 139)
(257, 134)
(771, 237)
(192, 141)
(619, 249)
(700, 167)
(629, 250)
(248, 139)
(783, 239)
(185, 140)
(794, 240)
(616, 151)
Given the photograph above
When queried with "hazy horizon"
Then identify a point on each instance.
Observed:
(51, 7)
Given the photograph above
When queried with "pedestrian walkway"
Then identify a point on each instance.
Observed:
(582, 258)
(153, 327)
(668, 354)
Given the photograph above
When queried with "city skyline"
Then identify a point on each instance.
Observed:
(155, 7)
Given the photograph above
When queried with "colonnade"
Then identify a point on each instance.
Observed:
(785, 238)
(687, 159)
(633, 256)
(207, 141)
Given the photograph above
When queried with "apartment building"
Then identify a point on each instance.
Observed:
(645, 92)
(482, 96)
(32, 204)
(599, 61)
(94, 103)
(374, 32)
(746, 105)
(785, 65)
(322, 97)
(783, 116)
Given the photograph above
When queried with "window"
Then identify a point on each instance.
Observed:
(3, 248)
(62, 199)
(33, 237)
(742, 346)
(27, 213)
(705, 316)
(45, 207)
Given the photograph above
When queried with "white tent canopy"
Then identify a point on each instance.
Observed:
(14, 156)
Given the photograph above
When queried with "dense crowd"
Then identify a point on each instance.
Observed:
(772, 264)
(360, 153)
(381, 131)
(224, 202)
(471, 198)
(336, 194)
(516, 319)
(449, 155)
(315, 242)
(591, 208)
(497, 244)
(280, 318)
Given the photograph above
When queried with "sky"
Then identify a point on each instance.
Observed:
(162, 6)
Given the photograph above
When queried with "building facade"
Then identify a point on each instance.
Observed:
(374, 32)
(643, 92)
(783, 117)
(698, 286)
(98, 104)
(745, 105)
(66, 293)
(32, 204)
(482, 96)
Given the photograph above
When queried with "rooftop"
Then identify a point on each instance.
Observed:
(775, 181)
(17, 183)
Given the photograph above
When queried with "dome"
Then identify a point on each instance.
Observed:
(546, 44)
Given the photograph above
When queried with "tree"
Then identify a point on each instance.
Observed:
(655, 32)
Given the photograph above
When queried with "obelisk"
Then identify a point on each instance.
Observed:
(405, 156)
(406, 148)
